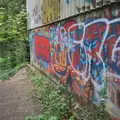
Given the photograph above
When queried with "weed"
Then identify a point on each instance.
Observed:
(57, 102)
(53, 99)
(6, 73)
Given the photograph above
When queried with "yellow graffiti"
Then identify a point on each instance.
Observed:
(50, 10)
(62, 58)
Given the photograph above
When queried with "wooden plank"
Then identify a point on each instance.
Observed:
(99, 3)
(115, 1)
(77, 6)
(82, 3)
(105, 2)
(87, 5)
(92, 4)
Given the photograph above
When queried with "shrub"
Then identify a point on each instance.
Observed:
(53, 99)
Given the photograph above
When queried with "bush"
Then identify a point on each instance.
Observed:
(6, 73)
(57, 102)
(54, 102)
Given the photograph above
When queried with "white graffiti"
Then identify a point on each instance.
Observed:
(81, 43)
(66, 39)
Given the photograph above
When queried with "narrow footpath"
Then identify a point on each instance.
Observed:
(16, 100)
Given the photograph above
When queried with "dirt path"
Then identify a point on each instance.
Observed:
(15, 98)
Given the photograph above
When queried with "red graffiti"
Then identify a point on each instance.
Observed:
(95, 32)
(76, 57)
(42, 47)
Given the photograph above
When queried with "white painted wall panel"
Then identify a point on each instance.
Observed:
(67, 8)
(34, 13)
(46, 11)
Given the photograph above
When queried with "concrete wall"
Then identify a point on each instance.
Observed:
(84, 52)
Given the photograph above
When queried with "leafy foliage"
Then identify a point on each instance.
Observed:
(92, 112)
(60, 104)
(54, 99)
(6, 70)
(41, 117)
(13, 20)
(13, 36)
(51, 100)
(12, 23)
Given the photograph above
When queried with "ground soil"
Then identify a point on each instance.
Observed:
(16, 99)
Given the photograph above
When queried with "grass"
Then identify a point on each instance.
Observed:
(2, 60)
(41, 117)
(8, 72)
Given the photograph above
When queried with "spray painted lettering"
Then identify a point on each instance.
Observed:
(84, 55)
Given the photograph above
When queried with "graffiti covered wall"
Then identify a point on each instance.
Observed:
(84, 52)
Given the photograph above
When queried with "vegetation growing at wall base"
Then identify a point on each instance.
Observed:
(58, 103)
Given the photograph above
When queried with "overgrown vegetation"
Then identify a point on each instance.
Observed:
(54, 100)
(58, 103)
(13, 20)
(13, 36)
(8, 72)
